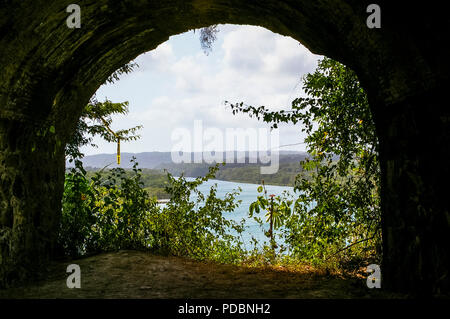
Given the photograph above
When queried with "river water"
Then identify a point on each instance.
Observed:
(248, 195)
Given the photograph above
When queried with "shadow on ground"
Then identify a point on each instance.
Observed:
(134, 274)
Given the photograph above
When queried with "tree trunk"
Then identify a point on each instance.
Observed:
(414, 153)
(32, 176)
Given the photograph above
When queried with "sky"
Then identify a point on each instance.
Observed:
(178, 88)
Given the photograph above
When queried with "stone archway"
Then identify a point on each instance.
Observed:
(48, 72)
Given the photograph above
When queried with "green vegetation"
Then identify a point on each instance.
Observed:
(337, 214)
(242, 173)
(114, 211)
(104, 214)
(334, 220)
(96, 120)
(153, 181)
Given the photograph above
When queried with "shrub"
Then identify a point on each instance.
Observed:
(114, 211)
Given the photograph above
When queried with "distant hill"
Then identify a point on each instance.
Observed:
(246, 172)
(164, 159)
(145, 160)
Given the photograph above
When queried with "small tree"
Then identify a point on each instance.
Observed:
(96, 120)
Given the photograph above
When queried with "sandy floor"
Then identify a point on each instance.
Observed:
(133, 274)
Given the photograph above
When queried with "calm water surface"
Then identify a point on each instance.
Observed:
(248, 195)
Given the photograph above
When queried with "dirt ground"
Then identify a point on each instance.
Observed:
(134, 274)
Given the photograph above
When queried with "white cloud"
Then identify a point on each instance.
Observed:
(249, 64)
(159, 59)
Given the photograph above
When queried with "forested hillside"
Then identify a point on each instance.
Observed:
(243, 173)
(153, 181)
(154, 164)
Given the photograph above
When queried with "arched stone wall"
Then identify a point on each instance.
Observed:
(48, 72)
